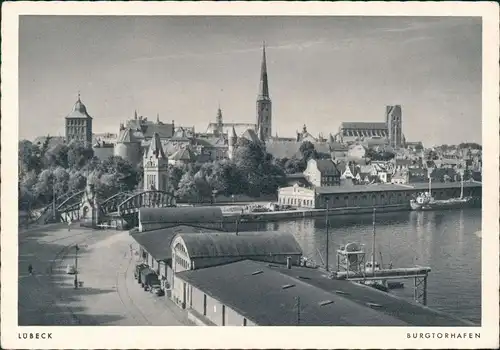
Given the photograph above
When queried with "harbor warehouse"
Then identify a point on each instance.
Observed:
(370, 195)
(252, 293)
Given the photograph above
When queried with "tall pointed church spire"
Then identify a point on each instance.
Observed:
(264, 87)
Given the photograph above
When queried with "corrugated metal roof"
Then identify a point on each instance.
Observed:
(261, 298)
(245, 244)
(180, 215)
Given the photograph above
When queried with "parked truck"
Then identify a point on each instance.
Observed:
(149, 279)
(137, 272)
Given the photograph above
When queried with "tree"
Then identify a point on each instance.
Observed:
(294, 165)
(29, 156)
(187, 188)
(79, 154)
(57, 156)
(125, 172)
(308, 151)
(76, 181)
(44, 186)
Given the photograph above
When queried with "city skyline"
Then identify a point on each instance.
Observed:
(322, 71)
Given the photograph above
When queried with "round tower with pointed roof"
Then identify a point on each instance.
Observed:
(128, 147)
(78, 123)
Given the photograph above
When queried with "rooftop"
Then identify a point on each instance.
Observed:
(157, 242)
(363, 125)
(180, 215)
(267, 294)
(245, 244)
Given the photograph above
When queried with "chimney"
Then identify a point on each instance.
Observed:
(288, 262)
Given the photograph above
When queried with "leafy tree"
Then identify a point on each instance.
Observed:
(308, 151)
(43, 189)
(76, 181)
(187, 188)
(79, 154)
(57, 156)
(294, 165)
(61, 179)
(125, 172)
(29, 156)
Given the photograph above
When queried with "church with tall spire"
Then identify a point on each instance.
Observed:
(264, 104)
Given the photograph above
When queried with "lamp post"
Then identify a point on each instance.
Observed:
(76, 266)
(214, 193)
(54, 198)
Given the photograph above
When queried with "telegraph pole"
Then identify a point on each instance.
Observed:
(373, 244)
(298, 311)
(327, 238)
(54, 198)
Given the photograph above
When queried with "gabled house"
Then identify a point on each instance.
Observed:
(350, 172)
(322, 172)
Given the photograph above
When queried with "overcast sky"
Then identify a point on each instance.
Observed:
(322, 71)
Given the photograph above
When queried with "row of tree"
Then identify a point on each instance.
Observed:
(47, 171)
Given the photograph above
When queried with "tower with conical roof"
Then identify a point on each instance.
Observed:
(79, 123)
(219, 123)
(264, 105)
(155, 164)
(232, 140)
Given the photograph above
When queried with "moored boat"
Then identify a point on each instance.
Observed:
(425, 201)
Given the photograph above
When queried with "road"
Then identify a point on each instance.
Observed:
(109, 294)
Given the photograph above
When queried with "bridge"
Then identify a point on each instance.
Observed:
(80, 206)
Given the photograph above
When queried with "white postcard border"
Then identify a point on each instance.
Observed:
(251, 337)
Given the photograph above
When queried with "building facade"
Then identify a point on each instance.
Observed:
(369, 196)
(78, 123)
(322, 172)
(155, 166)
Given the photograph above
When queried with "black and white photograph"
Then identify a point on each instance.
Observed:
(181, 168)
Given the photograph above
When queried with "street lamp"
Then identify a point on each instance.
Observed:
(76, 266)
(214, 193)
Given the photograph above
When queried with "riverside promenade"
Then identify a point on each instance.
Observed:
(109, 294)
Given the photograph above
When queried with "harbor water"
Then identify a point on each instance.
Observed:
(449, 242)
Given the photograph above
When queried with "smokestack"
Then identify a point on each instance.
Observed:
(288, 262)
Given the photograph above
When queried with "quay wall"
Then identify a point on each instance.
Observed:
(308, 213)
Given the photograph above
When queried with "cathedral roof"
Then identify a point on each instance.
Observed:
(363, 125)
(251, 135)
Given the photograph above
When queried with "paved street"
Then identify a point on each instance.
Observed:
(109, 294)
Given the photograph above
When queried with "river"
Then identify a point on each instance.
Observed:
(449, 242)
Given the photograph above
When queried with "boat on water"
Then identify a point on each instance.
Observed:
(371, 268)
(425, 201)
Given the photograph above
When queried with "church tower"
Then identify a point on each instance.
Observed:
(219, 129)
(155, 166)
(232, 140)
(264, 106)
